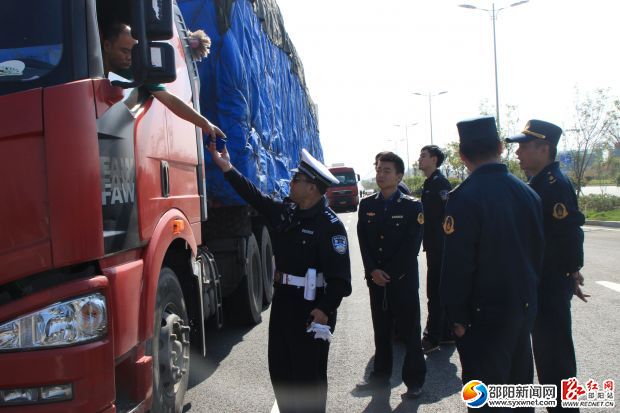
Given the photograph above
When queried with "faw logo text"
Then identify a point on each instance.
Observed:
(117, 180)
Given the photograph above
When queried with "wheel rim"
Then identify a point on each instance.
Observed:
(173, 351)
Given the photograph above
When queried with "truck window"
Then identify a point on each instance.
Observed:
(346, 178)
(31, 42)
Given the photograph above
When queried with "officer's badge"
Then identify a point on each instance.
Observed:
(421, 218)
(339, 242)
(560, 211)
(444, 194)
(448, 225)
(370, 214)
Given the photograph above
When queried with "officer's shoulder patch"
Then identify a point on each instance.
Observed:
(421, 218)
(331, 215)
(339, 243)
(443, 194)
(560, 211)
(448, 225)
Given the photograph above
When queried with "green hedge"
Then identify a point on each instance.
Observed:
(598, 203)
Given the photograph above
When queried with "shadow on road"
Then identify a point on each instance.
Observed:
(219, 344)
(441, 381)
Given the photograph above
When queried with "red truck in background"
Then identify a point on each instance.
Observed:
(344, 196)
(110, 260)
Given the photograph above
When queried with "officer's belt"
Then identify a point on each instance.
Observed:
(297, 281)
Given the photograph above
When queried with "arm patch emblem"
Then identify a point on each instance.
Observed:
(339, 242)
(560, 211)
(448, 225)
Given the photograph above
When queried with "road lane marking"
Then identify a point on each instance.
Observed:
(275, 409)
(610, 285)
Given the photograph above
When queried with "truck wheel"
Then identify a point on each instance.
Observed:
(247, 300)
(171, 347)
(268, 264)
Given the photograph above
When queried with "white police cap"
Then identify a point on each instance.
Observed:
(315, 169)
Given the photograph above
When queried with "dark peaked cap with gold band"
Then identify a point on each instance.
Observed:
(316, 170)
(538, 129)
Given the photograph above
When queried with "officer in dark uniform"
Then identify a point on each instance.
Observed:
(389, 229)
(552, 339)
(492, 261)
(434, 196)
(309, 241)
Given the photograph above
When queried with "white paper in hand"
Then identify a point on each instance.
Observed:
(321, 331)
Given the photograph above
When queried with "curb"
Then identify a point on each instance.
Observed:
(611, 224)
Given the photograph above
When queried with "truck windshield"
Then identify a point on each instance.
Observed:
(345, 178)
(31, 42)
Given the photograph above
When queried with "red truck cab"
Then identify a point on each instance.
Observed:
(344, 196)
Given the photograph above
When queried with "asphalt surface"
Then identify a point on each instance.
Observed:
(234, 375)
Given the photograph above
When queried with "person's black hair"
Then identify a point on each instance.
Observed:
(113, 30)
(434, 151)
(379, 155)
(395, 159)
(477, 150)
(553, 150)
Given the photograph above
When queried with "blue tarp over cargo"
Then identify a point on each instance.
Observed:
(252, 87)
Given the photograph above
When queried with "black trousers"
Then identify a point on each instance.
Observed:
(398, 302)
(552, 337)
(498, 353)
(297, 361)
(436, 326)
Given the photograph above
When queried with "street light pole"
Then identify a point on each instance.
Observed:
(430, 107)
(494, 13)
(495, 60)
(407, 143)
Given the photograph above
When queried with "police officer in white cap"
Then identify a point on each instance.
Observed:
(313, 275)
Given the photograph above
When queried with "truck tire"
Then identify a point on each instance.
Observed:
(268, 263)
(246, 303)
(170, 346)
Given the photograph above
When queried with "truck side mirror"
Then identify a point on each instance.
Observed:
(358, 177)
(161, 68)
(158, 19)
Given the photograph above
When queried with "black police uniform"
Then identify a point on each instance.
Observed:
(434, 196)
(492, 261)
(302, 239)
(552, 341)
(552, 338)
(390, 234)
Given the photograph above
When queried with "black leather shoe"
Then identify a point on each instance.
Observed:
(412, 393)
(372, 384)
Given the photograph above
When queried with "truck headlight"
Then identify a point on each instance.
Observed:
(66, 323)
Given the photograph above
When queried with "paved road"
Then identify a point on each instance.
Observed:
(234, 376)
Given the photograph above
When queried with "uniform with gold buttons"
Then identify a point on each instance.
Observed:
(390, 233)
(552, 339)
